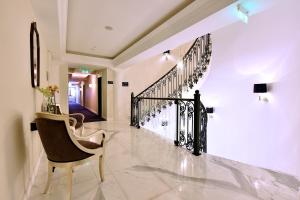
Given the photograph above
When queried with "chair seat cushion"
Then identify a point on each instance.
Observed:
(89, 145)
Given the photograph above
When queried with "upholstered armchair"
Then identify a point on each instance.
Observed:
(63, 149)
(76, 120)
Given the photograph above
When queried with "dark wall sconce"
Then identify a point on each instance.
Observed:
(261, 89)
(125, 84)
(210, 110)
(166, 54)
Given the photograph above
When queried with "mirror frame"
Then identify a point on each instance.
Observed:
(34, 53)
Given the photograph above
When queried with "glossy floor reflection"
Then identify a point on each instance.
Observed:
(141, 165)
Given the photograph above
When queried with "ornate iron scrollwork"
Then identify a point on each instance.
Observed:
(150, 102)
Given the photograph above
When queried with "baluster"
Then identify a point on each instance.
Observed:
(181, 123)
(176, 141)
(177, 83)
(187, 126)
(132, 109)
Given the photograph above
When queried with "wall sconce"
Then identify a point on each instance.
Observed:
(261, 88)
(210, 110)
(166, 54)
(92, 85)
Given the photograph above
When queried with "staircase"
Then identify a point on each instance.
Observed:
(191, 114)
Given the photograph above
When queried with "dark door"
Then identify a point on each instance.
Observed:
(83, 96)
(100, 96)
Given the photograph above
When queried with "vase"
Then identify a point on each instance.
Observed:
(44, 106)
(51, 105)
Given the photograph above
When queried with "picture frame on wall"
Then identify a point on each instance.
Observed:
(34, 55)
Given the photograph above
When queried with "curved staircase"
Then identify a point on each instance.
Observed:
(191, 114)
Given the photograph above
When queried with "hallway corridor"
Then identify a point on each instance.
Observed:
(89, 116)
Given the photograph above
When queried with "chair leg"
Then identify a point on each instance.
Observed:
(50, 173)
(69, 182)
(101, 165)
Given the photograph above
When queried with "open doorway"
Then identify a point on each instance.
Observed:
(85, 90)
(74, 92)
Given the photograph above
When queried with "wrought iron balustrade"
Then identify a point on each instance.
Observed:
(191, 120)
(168, 90)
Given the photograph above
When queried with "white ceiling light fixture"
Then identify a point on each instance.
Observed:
(79, 75)
(243, 14)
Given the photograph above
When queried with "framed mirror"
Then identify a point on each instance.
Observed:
(34, 55)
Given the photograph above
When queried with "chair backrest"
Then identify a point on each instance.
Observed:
(55, 136)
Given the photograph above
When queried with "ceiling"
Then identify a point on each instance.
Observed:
(130, 20)
(75, 33)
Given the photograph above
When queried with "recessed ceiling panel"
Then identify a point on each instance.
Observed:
(106, 28)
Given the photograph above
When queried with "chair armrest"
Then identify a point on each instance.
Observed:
(72, 122)
(91, 136)
(99, 150)
(79, 117)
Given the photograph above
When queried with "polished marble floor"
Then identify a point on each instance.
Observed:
(140, 165)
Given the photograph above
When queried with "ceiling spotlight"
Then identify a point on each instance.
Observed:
(108, 28)
(166, 54)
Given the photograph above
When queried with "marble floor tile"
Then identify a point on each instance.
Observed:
(141, 165)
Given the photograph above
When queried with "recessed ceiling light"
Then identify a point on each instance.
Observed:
(109, 28)
(93, 48)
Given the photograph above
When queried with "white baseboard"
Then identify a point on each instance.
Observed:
(32, 178)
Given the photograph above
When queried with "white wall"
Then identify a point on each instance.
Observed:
(19, 147)
(110, 94)
(58, 75)
(63, 87)
(243, 128)
(140, 76)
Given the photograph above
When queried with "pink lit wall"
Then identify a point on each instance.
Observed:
(265, 134)
(91, 93)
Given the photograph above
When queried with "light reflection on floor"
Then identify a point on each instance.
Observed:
(141, 165)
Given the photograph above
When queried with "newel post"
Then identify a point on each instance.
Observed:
(132, 109)
(176, 142)
(196, 144)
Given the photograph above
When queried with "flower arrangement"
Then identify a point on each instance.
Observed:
(49, 104)
(49, 91)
